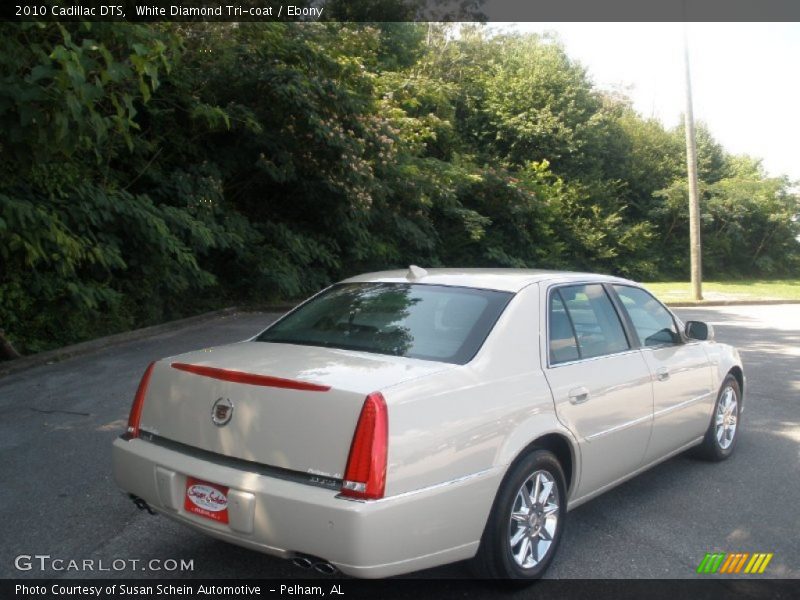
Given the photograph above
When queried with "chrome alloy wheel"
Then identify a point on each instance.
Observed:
(534, 518)
(726, 418)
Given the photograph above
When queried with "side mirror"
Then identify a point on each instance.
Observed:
(698, 330)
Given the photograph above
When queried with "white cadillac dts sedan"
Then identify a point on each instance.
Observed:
(401, 420)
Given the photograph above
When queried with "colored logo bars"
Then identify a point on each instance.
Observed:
(734, 562)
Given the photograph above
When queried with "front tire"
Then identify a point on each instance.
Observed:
(723, 431)
(527, 519)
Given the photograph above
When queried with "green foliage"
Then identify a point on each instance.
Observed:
(153, 171)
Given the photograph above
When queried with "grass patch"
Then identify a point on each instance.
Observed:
(742, 289)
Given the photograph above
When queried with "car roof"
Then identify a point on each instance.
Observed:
(507, 280)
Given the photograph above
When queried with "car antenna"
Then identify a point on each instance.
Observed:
(415, 272)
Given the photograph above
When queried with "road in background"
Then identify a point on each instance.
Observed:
(58, 497)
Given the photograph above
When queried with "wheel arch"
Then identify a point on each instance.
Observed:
(560, 443)
(738, 373)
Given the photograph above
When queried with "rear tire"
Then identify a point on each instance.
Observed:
(527, 519)
(723, 431)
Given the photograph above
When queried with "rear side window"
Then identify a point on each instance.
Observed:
(431, 322)
(596, 329)
(563, 346)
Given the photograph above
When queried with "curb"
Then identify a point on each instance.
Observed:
(703, 303)
(59, 354)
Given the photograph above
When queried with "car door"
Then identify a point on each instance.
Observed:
(600, 383)
(683, 397)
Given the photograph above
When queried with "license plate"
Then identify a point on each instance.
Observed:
(206, 499)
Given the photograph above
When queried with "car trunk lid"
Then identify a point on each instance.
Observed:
(288, 406)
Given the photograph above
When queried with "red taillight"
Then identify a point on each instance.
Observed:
(365, 475)
(138, 404)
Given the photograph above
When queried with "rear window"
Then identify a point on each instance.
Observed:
(431, 322)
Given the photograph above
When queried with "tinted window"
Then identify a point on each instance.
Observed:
(563, 346)
(432, 322)
(653, 323)
(593, 318)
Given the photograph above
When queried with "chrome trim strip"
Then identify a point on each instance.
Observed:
(616, 428)
(591, 358)
(424, 489)
(658, 413)
(679, 405)
(243, 465)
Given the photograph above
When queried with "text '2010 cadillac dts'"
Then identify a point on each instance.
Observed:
(401, 420)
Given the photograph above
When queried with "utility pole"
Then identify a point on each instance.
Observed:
(691, 170)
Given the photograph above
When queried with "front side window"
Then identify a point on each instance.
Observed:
(431, 322)
(653, 323)
(593, 323)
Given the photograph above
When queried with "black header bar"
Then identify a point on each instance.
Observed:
(402, 10)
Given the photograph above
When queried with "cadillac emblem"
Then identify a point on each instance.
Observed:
(221, 412)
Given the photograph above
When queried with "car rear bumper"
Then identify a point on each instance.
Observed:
(398, 534)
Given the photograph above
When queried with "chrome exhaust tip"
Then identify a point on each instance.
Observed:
(320, 565)
(325, 568)
(303, 562)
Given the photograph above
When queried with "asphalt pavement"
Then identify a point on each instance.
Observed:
(58, 498)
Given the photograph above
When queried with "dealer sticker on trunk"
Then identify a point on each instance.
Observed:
(206, 499)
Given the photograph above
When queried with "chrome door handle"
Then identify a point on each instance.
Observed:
(578, 395)
(662, 373)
